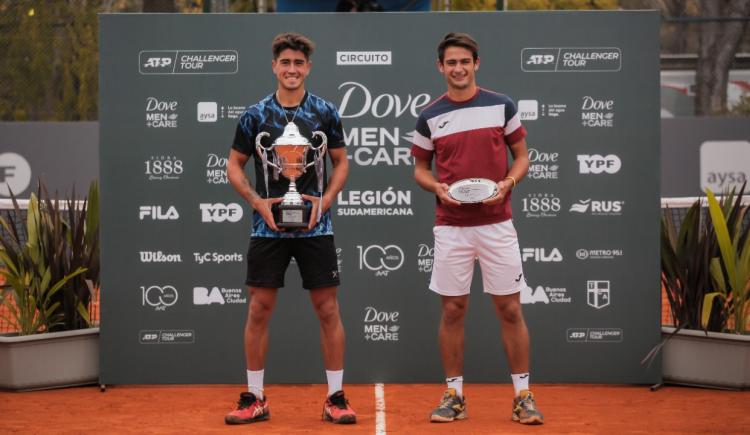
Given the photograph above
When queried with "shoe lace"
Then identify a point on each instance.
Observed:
(447, 402)
(528, 403)
(339, 401)
(245, 402)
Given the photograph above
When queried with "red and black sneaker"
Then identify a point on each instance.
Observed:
(337, 409)
(250, 409)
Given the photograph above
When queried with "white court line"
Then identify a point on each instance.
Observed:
(379, 409)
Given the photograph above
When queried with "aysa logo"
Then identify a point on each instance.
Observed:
(545, 295)
(380, 259)
(217, 258)
(597, 294)
(375, 203)
(159, 257)
(159, 297)
(219, 212)
(216, 169)
(163, 168)
(540, 205)
(161, 114)
(598, 208)
(543, 165)
(723, 164)
(597, 164)
(528, 110)
(425, 257)
(541, 255)
(218, 295)
(363, 58)
(597, 113)
(208, 111)
(381, 325)
(15, 174)
(158, 213)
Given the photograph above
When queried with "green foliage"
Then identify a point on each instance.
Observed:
(50, 61)
(742, 108)
(562, 4)
(52, 264)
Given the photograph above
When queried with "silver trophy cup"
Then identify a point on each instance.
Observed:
(287, 155)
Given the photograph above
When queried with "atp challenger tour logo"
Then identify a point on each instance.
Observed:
(188, 62)
(381, 325)
(375, 203)
(166, 336)
(380, 259)
(571, 59)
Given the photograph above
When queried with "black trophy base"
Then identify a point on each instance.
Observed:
(291, 216)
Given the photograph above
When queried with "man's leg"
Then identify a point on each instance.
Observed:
(514, 333)
(253, 405)
(451, 334)
(336, 408)
(516, 344)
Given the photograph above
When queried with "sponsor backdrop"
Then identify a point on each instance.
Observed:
(175, 233)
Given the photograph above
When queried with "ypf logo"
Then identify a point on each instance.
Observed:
(380, 259)
(219, 212)
(597, 164)
(15, 174)
(159, 297)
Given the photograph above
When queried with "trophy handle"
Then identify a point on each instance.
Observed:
(263, 151)
(321, 149)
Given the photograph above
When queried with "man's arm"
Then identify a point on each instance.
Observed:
(518, 171)
(238, 180)
(339, 173)
(427, 181)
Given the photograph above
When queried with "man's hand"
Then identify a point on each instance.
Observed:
(263, 207)
(503, 187)
(441, 190)
(316, 202)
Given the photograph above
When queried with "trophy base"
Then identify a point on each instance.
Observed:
(292, 216)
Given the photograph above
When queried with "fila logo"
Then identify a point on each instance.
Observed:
(157, 213)
(540, 255)
(596, 164)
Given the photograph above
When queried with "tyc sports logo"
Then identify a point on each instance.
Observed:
(541, 255)
(597, 294)
(571, 59)
(381, 325)
(598, 164)
(158, 213)
(219, 212)
(159, 297)
(380, 259)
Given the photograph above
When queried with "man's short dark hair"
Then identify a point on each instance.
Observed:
(293, 41)
(463, 40)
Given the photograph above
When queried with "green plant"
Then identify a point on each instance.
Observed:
(52, 263)
(730, 271)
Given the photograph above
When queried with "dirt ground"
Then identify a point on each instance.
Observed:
(188, 409)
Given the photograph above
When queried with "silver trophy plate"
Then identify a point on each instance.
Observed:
(472, 190)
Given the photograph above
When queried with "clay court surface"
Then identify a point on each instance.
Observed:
(568, 409)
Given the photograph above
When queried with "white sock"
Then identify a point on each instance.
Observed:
(457, 383)
(520, 382)
(335, 380)
(255, 383)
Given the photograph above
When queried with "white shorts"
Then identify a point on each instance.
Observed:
(496, 248)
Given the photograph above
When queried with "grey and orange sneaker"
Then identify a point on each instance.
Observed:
(250, 409)
(450, 408)
(337, 409)
(524, 409)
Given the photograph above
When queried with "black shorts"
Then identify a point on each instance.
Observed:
(268, 259)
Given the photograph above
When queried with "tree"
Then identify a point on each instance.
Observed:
(720, 37)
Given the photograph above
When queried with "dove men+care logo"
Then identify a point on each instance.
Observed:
(381, 325)
(161, 113)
